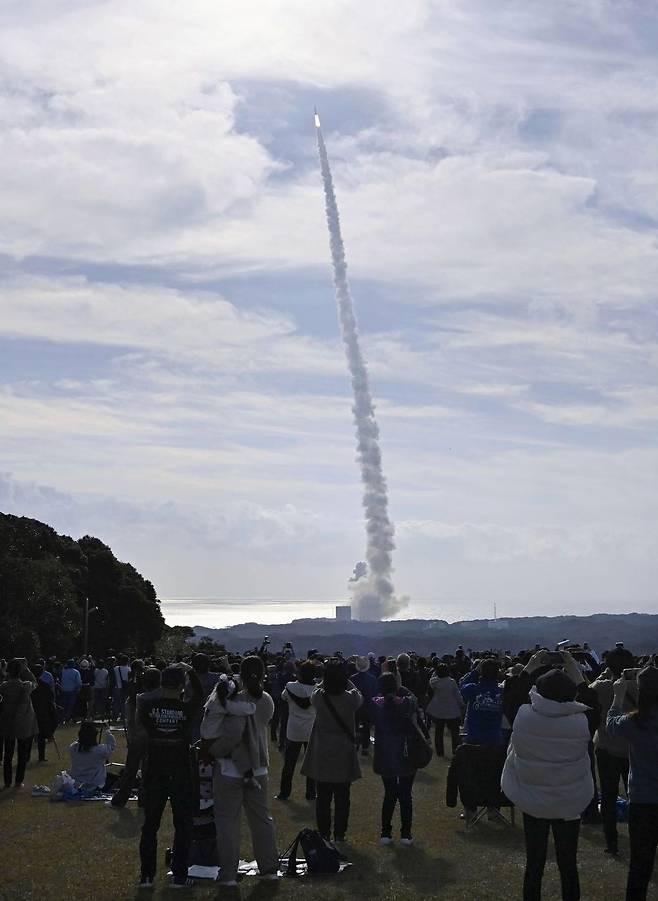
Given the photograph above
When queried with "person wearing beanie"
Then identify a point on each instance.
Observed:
(548, 776)
(640, 729)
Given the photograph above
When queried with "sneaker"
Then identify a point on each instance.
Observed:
(145, 881)
(407, 841)
(612, 850)
(281, 797)
(386, 840)
(230, 883)
(181, 882)
(269, 877)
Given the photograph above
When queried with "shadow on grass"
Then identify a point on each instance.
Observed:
(126, 824)
(491, 834)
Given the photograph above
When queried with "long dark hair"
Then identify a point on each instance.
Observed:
(87, 736)
(252, 671)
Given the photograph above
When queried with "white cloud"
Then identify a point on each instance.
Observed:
(497, 178)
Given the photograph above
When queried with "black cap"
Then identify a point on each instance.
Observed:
(556, 686)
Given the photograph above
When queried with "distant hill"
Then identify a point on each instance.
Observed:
(638, 631)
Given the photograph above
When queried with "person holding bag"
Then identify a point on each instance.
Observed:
(331, 757)
(394, 714)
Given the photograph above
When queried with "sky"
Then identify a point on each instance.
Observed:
(171, 373)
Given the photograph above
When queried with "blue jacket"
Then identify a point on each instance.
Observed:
(643, 753)
(484, 711)
(71, 679)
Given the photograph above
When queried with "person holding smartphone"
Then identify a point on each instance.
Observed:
(640, 729)
(611, 752)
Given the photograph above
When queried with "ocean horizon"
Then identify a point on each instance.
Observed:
(223, 612)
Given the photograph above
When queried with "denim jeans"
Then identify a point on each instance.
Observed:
(158, 789)
(643, 833)
(397, 788)
(68, 704)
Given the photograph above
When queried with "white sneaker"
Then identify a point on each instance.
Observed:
(146, 882)
(386, 840)
(406, 841)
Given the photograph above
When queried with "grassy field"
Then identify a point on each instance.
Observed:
(86, 852)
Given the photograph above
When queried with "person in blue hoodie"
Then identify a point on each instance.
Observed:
(483, 695)
(640, 729)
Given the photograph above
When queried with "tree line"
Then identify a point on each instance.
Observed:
(45, 579)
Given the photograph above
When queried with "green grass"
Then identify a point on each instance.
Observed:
(86, 852)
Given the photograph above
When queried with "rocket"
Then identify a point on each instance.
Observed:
(316, 117)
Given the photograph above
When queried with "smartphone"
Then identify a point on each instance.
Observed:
(555, 659)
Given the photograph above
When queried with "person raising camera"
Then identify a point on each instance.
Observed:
(640, 729)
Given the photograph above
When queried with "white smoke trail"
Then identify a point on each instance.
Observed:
(373, 596)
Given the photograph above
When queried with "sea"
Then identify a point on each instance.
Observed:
(221, 612)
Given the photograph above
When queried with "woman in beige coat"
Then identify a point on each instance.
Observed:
(331, 757)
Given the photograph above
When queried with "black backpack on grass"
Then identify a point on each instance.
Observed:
(321, 856)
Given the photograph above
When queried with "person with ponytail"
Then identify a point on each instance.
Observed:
(640, 729)
(393, 711)
(232, 791)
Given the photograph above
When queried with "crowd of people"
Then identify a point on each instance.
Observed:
(562, 731)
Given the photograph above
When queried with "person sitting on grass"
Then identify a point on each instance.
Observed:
(88, 757)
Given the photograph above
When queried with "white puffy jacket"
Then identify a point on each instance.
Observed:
(300, 720)
(547, 772)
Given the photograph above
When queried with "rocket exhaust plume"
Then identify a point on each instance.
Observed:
(373, 596)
